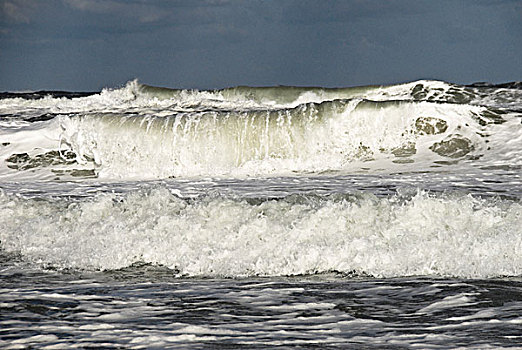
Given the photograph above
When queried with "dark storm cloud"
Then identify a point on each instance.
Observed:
(87, 44)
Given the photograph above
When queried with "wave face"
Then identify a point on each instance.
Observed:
(144, 132)
(419, 234)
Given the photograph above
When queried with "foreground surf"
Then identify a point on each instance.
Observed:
(437, 235)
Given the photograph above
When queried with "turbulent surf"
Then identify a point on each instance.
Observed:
(370, 187)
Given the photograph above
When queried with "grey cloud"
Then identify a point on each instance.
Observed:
(171, 12)
(19, 11)
(145, 13)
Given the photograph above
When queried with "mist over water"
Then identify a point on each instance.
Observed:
(376, 216)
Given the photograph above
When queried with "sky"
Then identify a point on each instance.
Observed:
(86, 45)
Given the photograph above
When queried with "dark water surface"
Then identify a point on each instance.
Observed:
(146, 307)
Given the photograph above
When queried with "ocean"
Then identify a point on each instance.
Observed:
(295, 217)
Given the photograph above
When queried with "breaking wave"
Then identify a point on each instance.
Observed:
(215, 235)
(444, 131)
(141, 131)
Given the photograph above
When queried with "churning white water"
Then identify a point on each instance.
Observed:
(381, 216)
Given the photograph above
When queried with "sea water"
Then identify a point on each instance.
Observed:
(367, 217)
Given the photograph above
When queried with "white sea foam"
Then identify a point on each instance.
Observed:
(217, 236)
